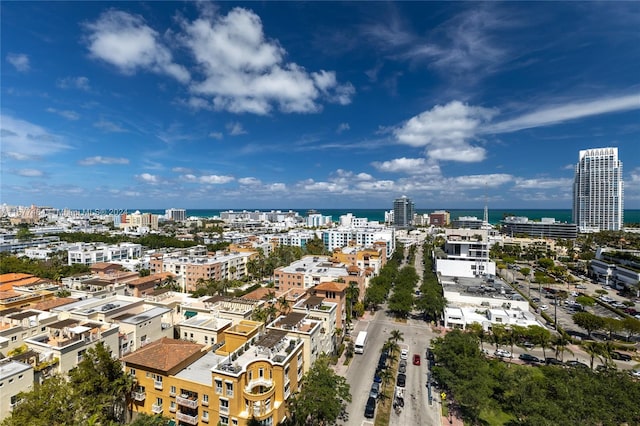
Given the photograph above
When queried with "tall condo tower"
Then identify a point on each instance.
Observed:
(598, 199)
(403, 209)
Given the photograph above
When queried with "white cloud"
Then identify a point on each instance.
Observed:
(343, 127)
(235, 129)
(69, 115)
(542, 183)
(22, 140)
(91, 161)
(246, 72)
(249, 181)
(364, 177)
(216, 135)
(480, 181)
(554, 114)
(215, 179)
(401, 165)
(127, 42)
(80, 83)
(20, 61)
(446, 131)
(109, 126)
(30, 173)
(148, 178)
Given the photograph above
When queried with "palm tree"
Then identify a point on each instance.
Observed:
(594, 349)
(352, 293)
(284, 304)
(561, 343)
(397, 335)
(477, 331)
(390, 346)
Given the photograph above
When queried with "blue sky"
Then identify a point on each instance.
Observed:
(314, 105)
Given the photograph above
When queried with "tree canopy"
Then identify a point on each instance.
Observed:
(322, 398)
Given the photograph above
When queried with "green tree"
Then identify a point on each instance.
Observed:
(322, 398)
(612, 326)
(478, 332)
(101, 385)
(315, 246)
(588, 321)
(631, 326)
(147, 420)
(24, 234)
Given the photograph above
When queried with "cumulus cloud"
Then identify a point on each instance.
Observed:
(249, 181)
(109, 126)
(480, 181)
(446, 131)
(543, 183)
(246, 72)
(92, 161)
(69, 115)
(80, 83)
(207, 179)
(235, 129)
(148, 178)
(125, 41)
(343, 127)
(401, 165)
(216, 135)
(22, 140)
(181, 170)
(20, 61)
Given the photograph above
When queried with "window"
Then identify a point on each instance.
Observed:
(158, 401)
(234, 422)
(172, 391)
(224, 405)
(205, 416)
(132, 371)
(206, 340)
(261, 372)
(218, 386)
(20, 377)
(229, 388)
(224, 420)
(14, 338)
(205, 399)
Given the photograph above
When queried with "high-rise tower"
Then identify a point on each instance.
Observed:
(403, 209)
(598, 199)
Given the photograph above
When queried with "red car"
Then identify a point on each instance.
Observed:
(416, 359)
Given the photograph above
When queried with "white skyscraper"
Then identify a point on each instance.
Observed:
(598, 199)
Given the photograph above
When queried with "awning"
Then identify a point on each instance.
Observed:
(190, 314)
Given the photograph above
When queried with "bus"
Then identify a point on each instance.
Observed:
(361, 342)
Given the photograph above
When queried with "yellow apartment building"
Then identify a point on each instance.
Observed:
(251, 374)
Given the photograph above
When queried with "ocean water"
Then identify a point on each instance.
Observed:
(495, 216)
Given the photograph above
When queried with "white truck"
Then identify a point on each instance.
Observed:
(361, 342)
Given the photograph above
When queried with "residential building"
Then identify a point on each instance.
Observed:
(364, 237)
(251, 375)
(467, 222)
(465, 254)
(314, 336)
(139, 221)
(15, 377)
(90, 253)
(440, 218)
(598, 197)
(334, 292)
(177, 215)
(18, 325)
(315, 220)
(545, 228)
(370, 260)
(403, 210)
(320, 309)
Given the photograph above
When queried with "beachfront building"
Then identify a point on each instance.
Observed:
(403, 210)
(544, 228)
(90, 253)
(598, 198)
(440, 218)
(176, 215)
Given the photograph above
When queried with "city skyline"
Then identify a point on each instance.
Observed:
(314, 105)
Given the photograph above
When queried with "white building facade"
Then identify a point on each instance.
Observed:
(598, 191)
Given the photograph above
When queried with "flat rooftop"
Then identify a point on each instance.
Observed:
(200, 371)
(319, 265)
(11, 368)
(492, 287)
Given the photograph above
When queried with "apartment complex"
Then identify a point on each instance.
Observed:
(15, 377)
(465, 254)
(598, 198)
(403, 210)
(250, 375)
(365, 237)
(90, 253)
(177, 215)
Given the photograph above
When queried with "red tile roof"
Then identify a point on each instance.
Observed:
(164, 354)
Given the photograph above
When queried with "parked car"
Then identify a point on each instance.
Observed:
(528, 345)
(502, 353)
(577, 364)
(404, 354)
(620, 356)
(370, 408)
(529, 358)
(377, 376)
(581, 287)
(543, 307)
(635, 373)
(402, 368)
(552, 361)
(375, 390)
(416, 359)
(401, 381)
(631, 311)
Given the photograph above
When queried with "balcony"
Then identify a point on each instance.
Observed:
(263, 385)
(172, 408)
(138, 396)
(187, 401)
(157, 384)
(192, 420)
(156, 408)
